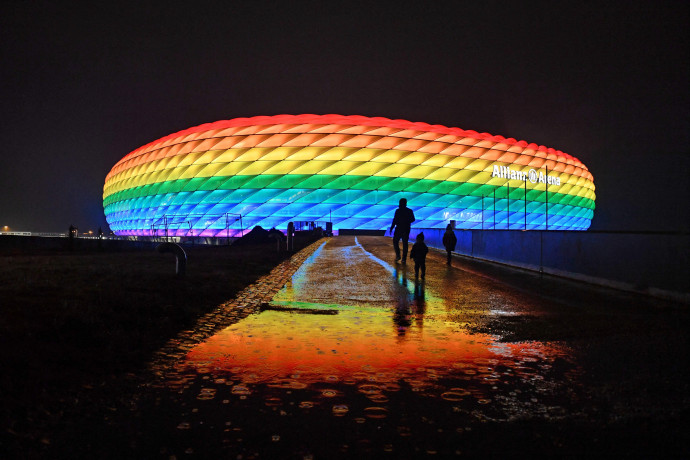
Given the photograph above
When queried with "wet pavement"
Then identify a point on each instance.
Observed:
(342, 352)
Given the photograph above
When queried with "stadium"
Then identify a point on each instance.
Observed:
(221, 179)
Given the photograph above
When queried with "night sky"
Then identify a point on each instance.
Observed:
(82, 86)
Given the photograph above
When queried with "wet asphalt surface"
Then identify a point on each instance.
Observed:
(355, 357)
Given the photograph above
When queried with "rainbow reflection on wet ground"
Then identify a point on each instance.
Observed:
(355, 356)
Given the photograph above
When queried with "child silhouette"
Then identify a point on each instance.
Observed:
(418, 254)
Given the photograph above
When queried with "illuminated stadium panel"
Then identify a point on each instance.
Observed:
(350, 170)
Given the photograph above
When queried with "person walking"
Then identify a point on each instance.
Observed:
(402, 222)
(418, 254)
(449, 242)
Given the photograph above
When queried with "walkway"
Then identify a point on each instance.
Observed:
(353, 356)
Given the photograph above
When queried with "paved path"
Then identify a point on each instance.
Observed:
(341, 352)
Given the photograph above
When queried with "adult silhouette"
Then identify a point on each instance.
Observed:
(402, 221)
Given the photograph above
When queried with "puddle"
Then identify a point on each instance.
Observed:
(404, 362)
(374, 353)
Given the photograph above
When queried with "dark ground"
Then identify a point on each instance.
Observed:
(78, 328)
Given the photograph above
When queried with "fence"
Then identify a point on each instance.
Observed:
(653, 263)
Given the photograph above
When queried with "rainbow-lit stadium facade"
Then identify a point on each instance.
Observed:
(223, 178)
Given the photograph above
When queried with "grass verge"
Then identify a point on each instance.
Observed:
(77, 327)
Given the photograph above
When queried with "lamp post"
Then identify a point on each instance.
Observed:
(525, 202)
(482, 212)
(508, 198)
(494, 209)
(547, 196)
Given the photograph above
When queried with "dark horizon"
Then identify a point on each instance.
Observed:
(85, 86)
